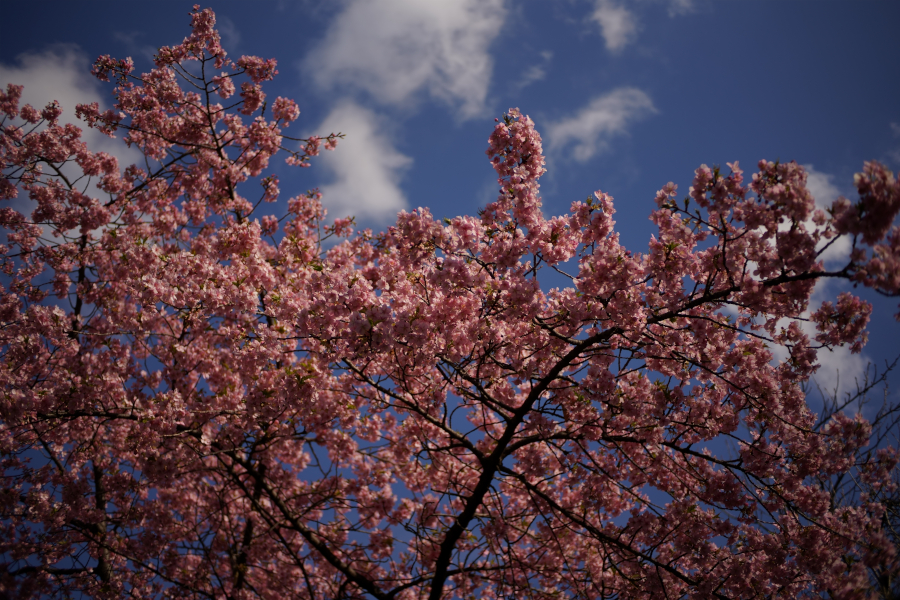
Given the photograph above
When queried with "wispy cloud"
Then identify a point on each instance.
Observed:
(131, 41)
(537, 72)
(619, 22)
(231, 35)
(365, 168)
(395, 50)
(618, 25)
(605, 117)
(680, 7)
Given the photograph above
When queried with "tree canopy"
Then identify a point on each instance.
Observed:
(202, 399)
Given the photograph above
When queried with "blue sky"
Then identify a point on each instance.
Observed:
(627, 95)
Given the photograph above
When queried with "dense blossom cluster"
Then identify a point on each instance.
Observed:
(199, 401)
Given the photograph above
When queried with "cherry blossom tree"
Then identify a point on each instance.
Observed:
(201, 399)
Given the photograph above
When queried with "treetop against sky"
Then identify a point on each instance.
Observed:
(627, 96)
(523, 387)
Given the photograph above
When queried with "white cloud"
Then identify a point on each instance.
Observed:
(63, 73)
(618, 25)
(365, 166)
(821, 187)
(230, 34)
(825, 193)
(537, 72)
(131, 41)
(606, 116)
(839, 369)
(396, 49)
(680, 7)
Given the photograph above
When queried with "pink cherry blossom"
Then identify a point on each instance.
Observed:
(201, 398)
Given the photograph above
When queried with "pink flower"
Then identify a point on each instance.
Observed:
(252, 96)
(9, 101)
(224, 85)
(285, 110)
(257, 68)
